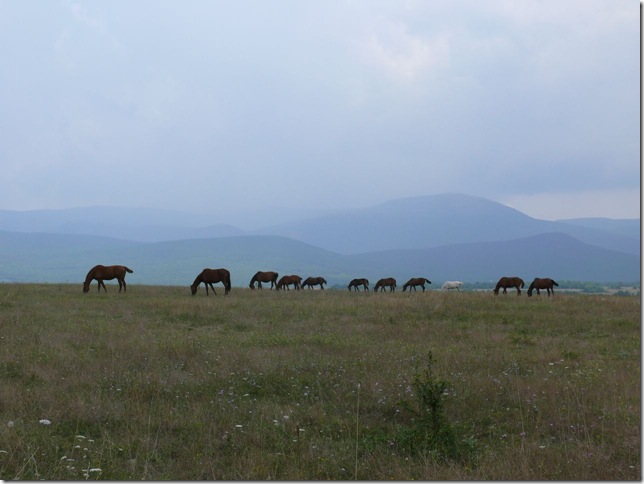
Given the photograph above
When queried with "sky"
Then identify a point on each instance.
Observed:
(223, 106)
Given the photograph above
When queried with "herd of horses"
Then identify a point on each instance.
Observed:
(209, 277)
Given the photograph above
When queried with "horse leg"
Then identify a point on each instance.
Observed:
(213, 288)
(120, 284)
(101, 283)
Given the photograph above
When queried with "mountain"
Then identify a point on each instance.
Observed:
(433, 221)
(137, 224)
(553, 255)
(447, 236)
(626, 227)
(56, 258)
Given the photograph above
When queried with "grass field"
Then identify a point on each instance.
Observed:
(156, 384)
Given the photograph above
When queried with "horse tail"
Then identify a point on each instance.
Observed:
(127, 269)
(227, 282)
(555, 283)
(522, 283)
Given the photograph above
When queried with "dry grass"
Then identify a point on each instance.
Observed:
(157, 384)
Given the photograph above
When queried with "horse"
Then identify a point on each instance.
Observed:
(101, 273)
(382, 283)
(314, 281)
(260, 277)
(447, 285)
(506, 282)
(545, 283)
(416, 281)
(358, 282)
(210, 276)
(286, 281)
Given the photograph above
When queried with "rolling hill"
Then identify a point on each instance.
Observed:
(434, 221)
(177, 262)
(440, 237)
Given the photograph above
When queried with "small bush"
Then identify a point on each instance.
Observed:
(428, 429)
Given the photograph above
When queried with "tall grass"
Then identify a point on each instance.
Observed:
(157, 384)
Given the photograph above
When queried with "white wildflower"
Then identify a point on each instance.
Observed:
(44, 421)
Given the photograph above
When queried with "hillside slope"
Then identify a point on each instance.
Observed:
(47, 258)
(434, 221)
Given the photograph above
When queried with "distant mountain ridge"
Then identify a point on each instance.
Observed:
(60, 258)
(434, 221)
(448, 236)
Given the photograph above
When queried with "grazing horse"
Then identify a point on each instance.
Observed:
(506, 282)
(314, 281)
(101, 273)
(382, 283)
(286, 281)
(447, 285)
(545, 283)
(359, 282)
(210, 276)
(260, 277)
(416, 281)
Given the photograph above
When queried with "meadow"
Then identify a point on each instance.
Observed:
(157, 384)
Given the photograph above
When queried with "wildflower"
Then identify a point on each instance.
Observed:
(10, 423)
(95, 469)
(44, 421)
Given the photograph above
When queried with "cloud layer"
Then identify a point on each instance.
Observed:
(231, 105)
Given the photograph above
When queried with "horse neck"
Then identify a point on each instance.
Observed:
(90, 276)
(197, 280)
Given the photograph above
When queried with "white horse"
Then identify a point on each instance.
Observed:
(452, 285)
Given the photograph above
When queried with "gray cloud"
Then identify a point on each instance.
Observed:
(175, 104)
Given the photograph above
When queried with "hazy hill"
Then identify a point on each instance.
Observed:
(554, 255)
(47, 258)
(137, 224)
(447, 236)
(410, 223)
(626, 227)
(433, 221)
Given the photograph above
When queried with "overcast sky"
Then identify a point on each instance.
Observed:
(219, 106)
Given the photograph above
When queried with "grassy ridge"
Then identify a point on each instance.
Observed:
(156, 384)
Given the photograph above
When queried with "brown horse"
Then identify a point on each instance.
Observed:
(260, 277)
(388, 282)
(210, 276)
(416, 281)
(107, 273)
(286, 281)
(506, 282)
(314, 281)
(358, 282)
(545, 283)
